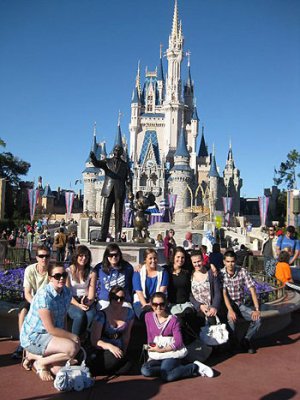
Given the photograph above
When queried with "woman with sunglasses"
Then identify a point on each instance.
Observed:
(43, 335)
(149, 279)
(82, 283)
(160, 323)
(110, 335)
(113, 270)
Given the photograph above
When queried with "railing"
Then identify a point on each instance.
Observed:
(269, 288)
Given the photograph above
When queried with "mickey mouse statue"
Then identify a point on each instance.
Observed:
(141, 217)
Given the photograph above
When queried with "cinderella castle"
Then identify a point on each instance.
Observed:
(166, 154)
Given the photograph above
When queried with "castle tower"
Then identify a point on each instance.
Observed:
(181, 179)
(213, 185)
(90, 176)
(173, 104)
(232, 182)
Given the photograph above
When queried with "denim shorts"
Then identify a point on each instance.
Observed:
(40, 344)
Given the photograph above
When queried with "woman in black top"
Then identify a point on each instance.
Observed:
(179, 288)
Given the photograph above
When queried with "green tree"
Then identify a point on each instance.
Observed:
(286, 174)
(11, 168)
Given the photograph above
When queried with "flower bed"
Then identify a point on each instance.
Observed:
(11, 284)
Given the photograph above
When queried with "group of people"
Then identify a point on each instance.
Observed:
(280, 252)
(101, 303)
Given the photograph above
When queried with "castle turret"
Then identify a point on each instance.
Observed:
(181, 180)
(90, 176)
(160, 79)
(135, 114)
(213, 184)
(232, 181)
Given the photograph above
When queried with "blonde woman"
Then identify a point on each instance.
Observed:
(149, 279)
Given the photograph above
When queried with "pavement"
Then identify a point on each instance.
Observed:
(270, 374)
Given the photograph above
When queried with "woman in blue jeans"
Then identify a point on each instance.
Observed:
(82, 282)
(160, 323)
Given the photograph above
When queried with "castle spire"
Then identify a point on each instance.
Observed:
(203, 148)
(160, 71)
(181, 150)
(118, 138)
(175, 21)
(213, 172)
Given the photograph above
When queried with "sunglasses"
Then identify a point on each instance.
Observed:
(119, 299)
(58, 276)
(43, 255)
(156, 305)
(113, 255)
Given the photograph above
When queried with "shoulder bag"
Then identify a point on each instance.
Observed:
(214, 335)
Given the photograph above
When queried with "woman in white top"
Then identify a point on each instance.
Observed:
(82, 283)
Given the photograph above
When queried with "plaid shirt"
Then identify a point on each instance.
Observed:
(46, 298)
(235, 284)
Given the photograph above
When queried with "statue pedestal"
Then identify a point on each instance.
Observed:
(132, 252)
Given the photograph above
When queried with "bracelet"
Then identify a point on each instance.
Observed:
(257, 309)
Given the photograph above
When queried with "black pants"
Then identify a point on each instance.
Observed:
(103, 362)
(108, 203)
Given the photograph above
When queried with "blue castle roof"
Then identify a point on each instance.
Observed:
(118, 138)
(181, 150)
(203, 149)
(195, 114)
(213, 168)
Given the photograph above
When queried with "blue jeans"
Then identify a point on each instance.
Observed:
(82, 320)
(245, 312)
(169, 369)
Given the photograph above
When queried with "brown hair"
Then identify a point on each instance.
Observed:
(149, 250)
(284, 256)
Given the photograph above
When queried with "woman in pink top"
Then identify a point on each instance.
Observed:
(159, 322)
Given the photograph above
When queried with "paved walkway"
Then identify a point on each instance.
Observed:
(270, 374)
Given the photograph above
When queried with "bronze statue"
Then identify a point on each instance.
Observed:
(141, 217)
(117, 178)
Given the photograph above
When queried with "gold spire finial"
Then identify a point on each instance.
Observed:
(175, 21)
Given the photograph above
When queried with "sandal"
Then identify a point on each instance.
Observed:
(43, 373)
(26, 363)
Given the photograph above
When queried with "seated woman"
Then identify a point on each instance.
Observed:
(159, 322)
(43, 335)
(110, 336)
(206, 291)
(82, 283)
(179, 288)
(114, 270)
(149, 279)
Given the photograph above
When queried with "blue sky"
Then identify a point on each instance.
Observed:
(67, 63)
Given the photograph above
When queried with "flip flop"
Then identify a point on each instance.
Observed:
(43, 373)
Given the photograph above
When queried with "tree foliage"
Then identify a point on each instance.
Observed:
(12, 167)
(286, 174)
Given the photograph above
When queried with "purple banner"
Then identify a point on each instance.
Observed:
(227, 204)
(69, 196)
(33, 196)
(263, 203)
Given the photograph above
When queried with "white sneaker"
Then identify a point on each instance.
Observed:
(204, 370)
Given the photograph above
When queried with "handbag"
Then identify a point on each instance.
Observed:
(74, 377)
(214, 335)
(165, 341)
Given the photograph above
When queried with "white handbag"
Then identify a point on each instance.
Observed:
(165, 341)
(214, 335)
(74, 377)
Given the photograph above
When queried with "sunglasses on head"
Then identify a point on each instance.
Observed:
(117, 298)
(43, 255)
(156, 305)
(58, 276)
(113, 255)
